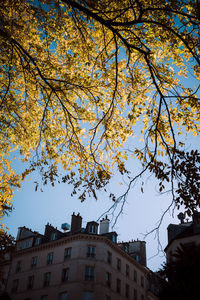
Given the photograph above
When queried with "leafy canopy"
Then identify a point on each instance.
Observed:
(79, 79)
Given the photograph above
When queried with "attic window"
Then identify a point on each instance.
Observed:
(25, 244)
(114, 239)
(54, 236)
(126, 248)
(92, 228)
(38, 241)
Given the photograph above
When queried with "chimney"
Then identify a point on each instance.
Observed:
(104, 225)
(137, 249)
(76, 223)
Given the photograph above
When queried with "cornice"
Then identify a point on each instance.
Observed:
(81, 237)
(180, 238)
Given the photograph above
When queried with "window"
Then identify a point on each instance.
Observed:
(25, 244)
(65, 274)
(127, 270)
(114, 239)
(118, 285)
(67, 253)
(50, 258)
(38, 241)
(142, 281)
(34, 262)
(118, 264)
(135, 276)
(92, 228)
(87, 296)
(19, 266)
(109, 257)
(30, 282)
(89, 273)
(47, 278)
(108, 279)
(135, 294)
(127, 292)
(126, 248)
(54, 236)
(15, 285)
(91, 251)
(63, 296)
(44, 297)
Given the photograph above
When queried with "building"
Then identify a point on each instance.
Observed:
(80, 263)
(187, 233)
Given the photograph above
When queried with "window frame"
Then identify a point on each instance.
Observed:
(54, 236)
(15, 285)
(142, 281)
(30, 282)
(18, 266)
(63, 294)
(109, 257)
(118, 264)
(135, 296)
(50, 256)
(108, 277)
(127, 290)
(90, 253)
(118, 286)
(65, 274)
(88, 295)
(66, 254)
(127, 270)
(47, 279)
(89, 273)
(38, 241)
(135, 276)
(34, 262)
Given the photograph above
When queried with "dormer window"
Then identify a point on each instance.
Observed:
(54, 236)
(25, 244)
(92, 227)
(38, 241)
(126, 248)
(114, 238)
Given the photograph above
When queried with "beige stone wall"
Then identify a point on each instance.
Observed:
(76, 283)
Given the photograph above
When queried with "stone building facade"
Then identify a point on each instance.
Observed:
(80, 264)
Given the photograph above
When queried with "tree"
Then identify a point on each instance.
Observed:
(78, 78)
(7, 245)
(182, 274)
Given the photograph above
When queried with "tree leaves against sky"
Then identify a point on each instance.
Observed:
(78, 78)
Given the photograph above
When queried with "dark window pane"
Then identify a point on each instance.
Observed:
(89, 273)
(67, 253)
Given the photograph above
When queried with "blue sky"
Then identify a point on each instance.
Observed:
(55, 205)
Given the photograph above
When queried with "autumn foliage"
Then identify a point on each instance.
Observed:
(79, 79)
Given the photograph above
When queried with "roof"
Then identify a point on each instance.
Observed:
(181, 231)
